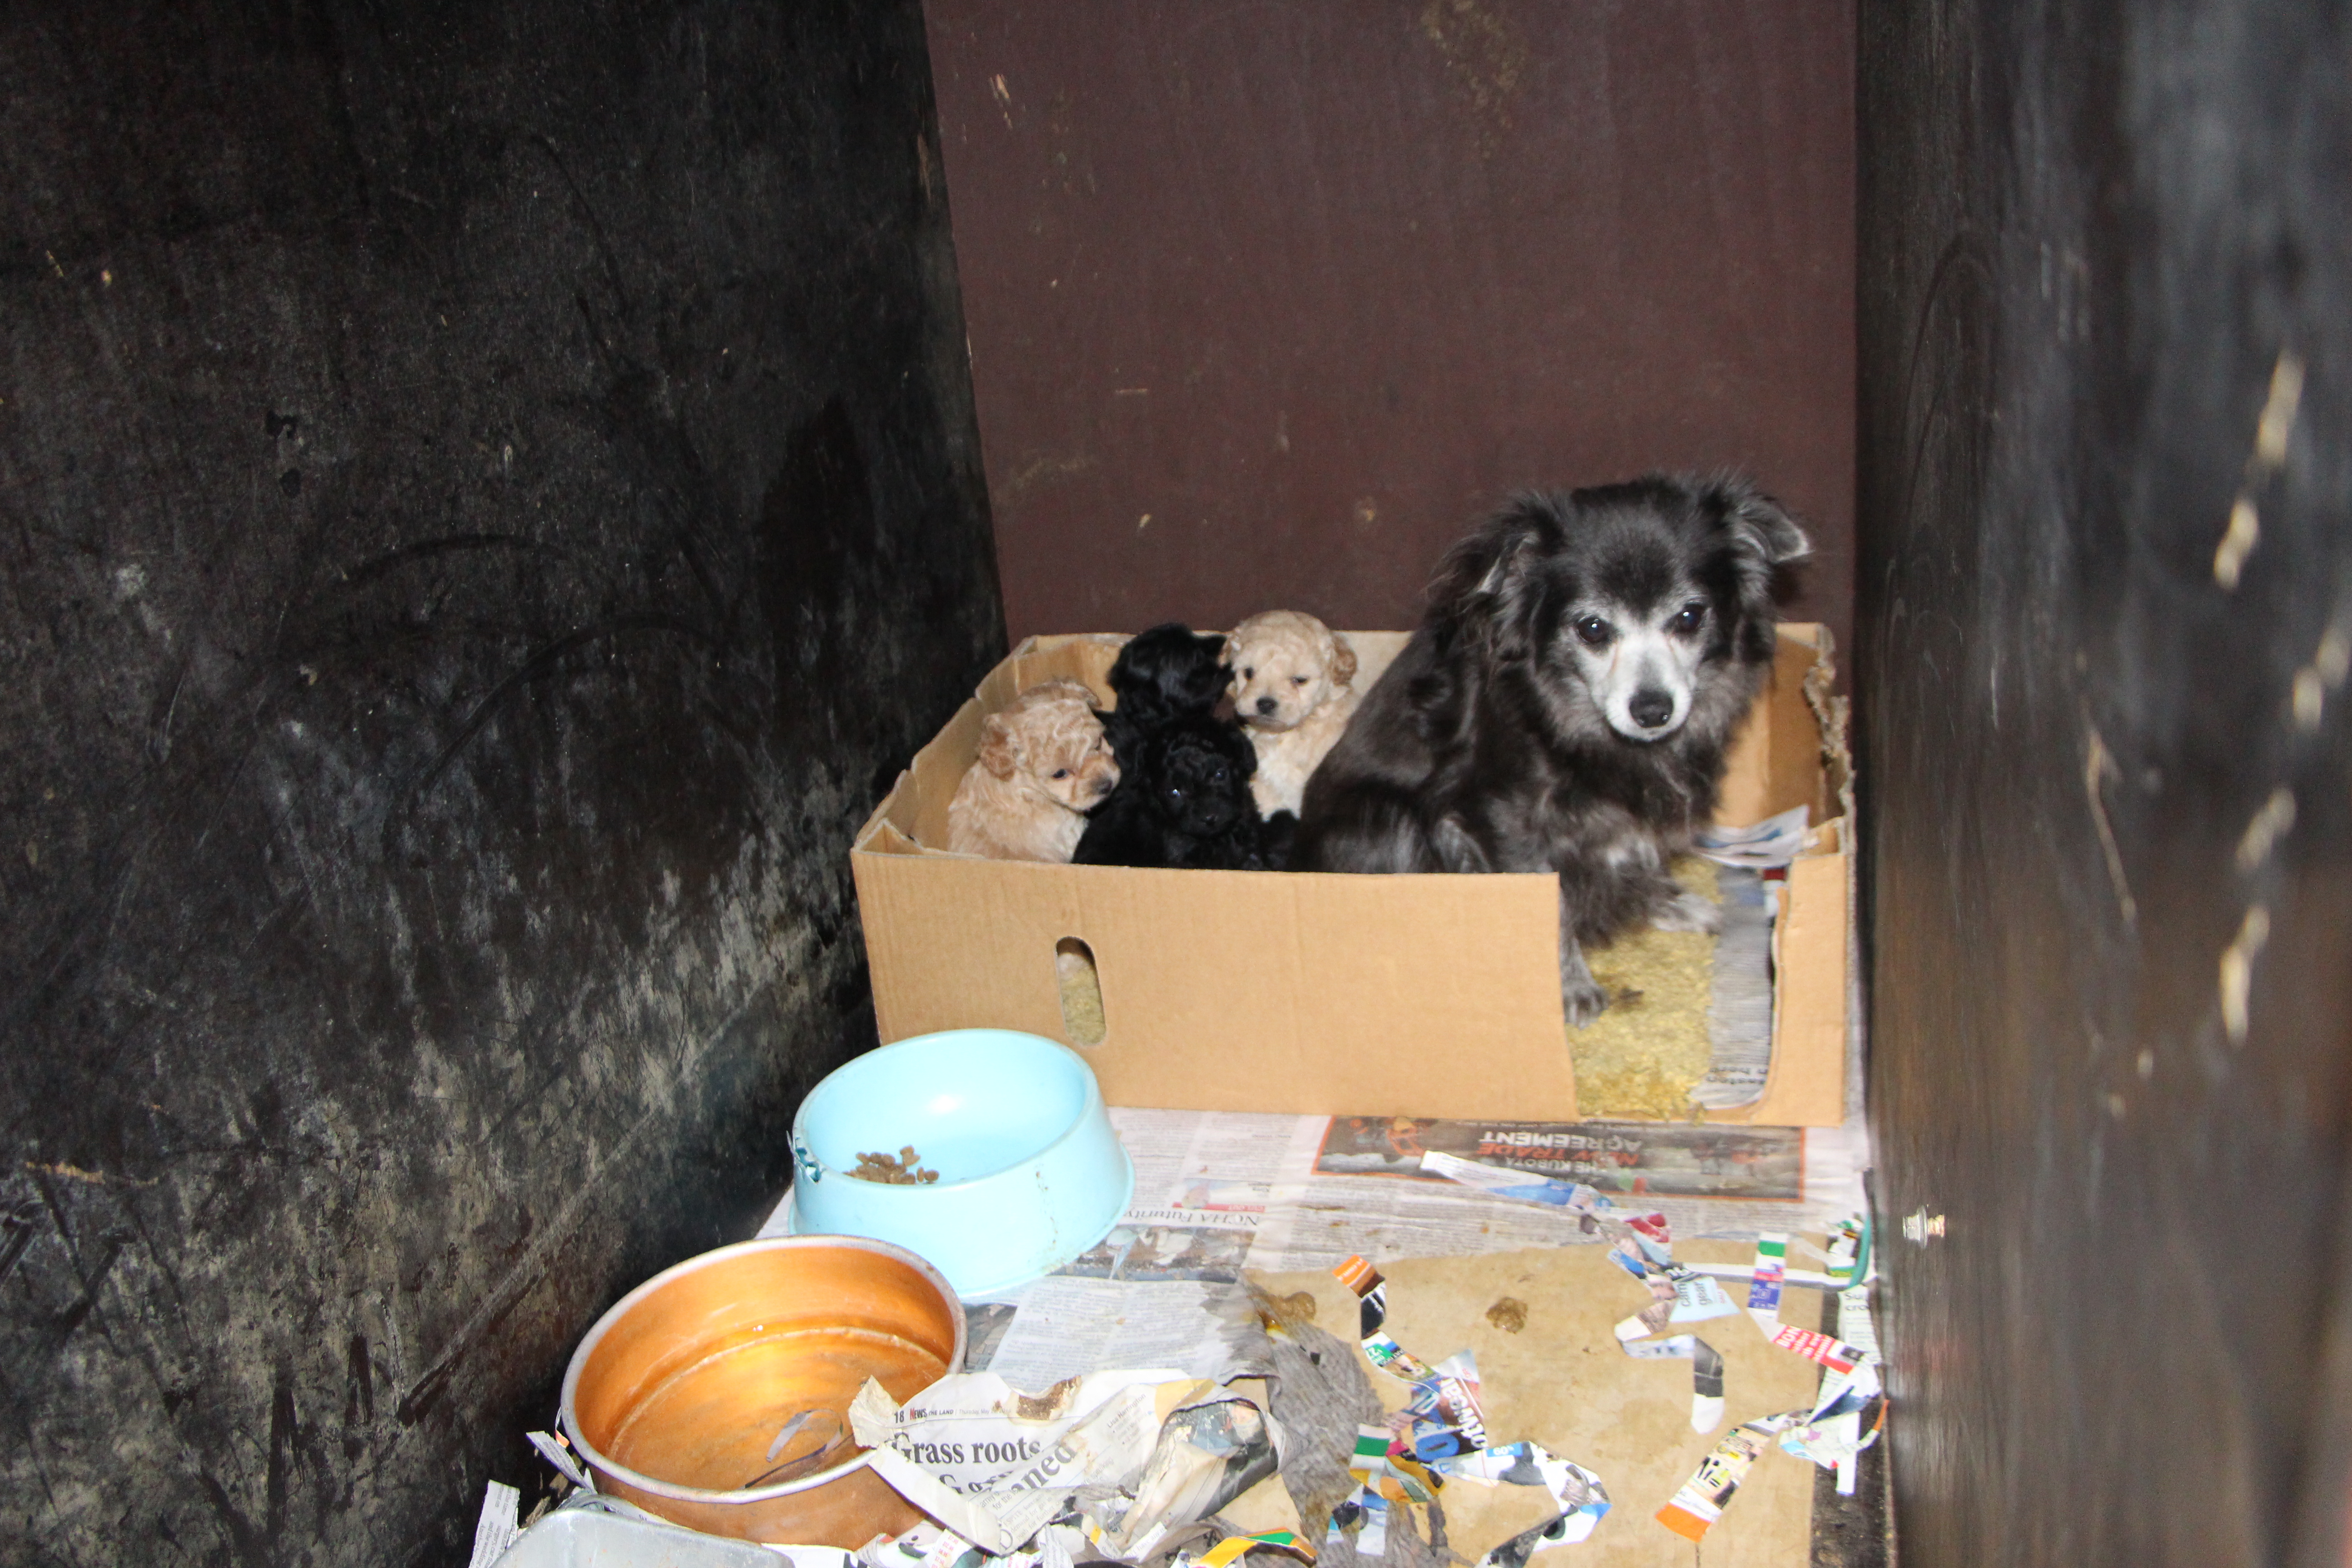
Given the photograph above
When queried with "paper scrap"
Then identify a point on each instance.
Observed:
(1389, 1475)
(1643, 1246)
(992, 1464)
(1679, 1295)
(1849, 1254)
(1814, 1345)
(557, 1452)
(1132, 1455)
(924, 1545)
(500, 1523)
(1208, 1452)
(1372, 1311)
(1854, 1324)
(1441, 1434)
(1764, 1290)
(1444, 1416)
(1232, 1546)
(1370, 1514)
(1775, 841)
(1583, 1499)
(1740, 1000)
(1833, 1442)
(1701, 1500)
(1707, 1373)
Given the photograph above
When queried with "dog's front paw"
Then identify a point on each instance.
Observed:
(1689, 912)
(1583, 1001)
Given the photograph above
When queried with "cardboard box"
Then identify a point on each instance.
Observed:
(1320, 993)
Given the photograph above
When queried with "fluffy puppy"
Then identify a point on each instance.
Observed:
(1043, 764)
(1185, 802)
(1292, 690)
(1162, 675)
(1565, 705)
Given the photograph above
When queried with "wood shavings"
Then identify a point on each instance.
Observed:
(1642, 1060)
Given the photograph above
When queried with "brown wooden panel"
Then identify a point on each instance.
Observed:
(1311, 285)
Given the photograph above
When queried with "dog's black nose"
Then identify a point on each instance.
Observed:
(1651, 707)
(1265, 704)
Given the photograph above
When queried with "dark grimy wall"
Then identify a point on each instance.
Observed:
(2105, 616)
(488, 496)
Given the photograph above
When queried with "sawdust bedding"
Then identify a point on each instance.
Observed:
(1643, 1056)
(1639, 1059)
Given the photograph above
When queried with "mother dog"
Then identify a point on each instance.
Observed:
(1565, 705)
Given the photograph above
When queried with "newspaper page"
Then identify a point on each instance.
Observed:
(1366, 1193)
(1165, 1287)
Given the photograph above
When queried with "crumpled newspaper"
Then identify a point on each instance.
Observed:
(1112, 1464)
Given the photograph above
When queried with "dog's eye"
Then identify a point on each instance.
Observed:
(1690, 617)
(1594, 631)
(1299, 681)
(1061, 773)
(1249, 675)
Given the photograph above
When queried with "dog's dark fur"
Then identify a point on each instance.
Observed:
(1186, 803)
(1162, 675)
(1498, 739)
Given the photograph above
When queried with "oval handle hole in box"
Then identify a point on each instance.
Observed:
(1080, 984)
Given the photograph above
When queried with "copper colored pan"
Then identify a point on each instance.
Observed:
(717, 1394)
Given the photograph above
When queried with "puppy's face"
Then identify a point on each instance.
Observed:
(1055, 743)
(1199, 778)
(1284, 666)
(1168, 671)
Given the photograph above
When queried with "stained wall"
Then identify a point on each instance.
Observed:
(488, 496)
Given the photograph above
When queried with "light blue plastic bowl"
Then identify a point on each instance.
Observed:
(1030, 1171)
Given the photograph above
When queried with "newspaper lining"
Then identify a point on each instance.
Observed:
(1217, 1193)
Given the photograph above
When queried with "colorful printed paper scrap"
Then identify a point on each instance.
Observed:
(1701, 1500)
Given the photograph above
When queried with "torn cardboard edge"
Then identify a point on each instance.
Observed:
(1260, 991)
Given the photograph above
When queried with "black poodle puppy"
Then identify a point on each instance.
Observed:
(1186, 804)
(1161, 676)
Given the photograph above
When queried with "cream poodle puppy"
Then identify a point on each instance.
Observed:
(1291, 685)
(1042, 765)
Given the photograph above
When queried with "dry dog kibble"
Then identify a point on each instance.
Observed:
(893, 1170)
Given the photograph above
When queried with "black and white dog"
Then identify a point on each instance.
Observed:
(1566, 704)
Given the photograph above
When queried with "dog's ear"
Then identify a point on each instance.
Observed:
(1488, 585)
(1343, 661)
(1000, 748)
(1761, 527)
